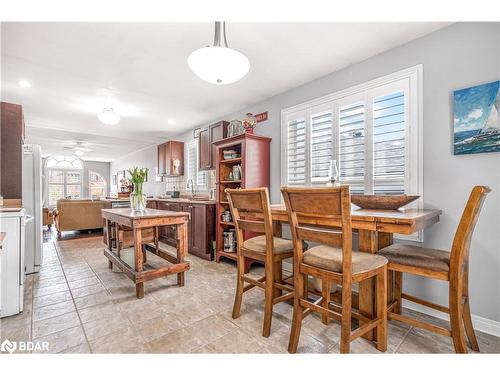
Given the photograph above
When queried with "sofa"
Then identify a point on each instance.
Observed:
(78, 214)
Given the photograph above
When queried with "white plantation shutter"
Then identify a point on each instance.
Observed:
(199, 177)
(372, 130)
(351, 151)
(296, 151)
(389, 139)
(321, 145)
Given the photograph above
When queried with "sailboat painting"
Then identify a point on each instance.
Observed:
(477, 119)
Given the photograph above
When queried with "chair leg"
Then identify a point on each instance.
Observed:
(297, 313)
(398, 291)
(325, 293)
(157, 247)
(469, 328)
(381, 285)
(268, 303)
(345, 324)
(239, 286)
(457, 328)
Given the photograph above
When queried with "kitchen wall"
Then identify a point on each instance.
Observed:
(458, 56)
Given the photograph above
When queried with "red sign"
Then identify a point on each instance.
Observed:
(261, 117)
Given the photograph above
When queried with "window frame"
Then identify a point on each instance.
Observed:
(376, 87)
(64, 184)
(90, 183)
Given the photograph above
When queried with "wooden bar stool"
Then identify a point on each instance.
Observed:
(265, 248)
(441, 265)
(125, 238)
(332, 260)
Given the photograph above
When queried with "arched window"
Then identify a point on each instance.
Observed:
(64, 178)
(63, 162)
(97, 185)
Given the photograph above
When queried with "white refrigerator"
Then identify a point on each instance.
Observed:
(32, 203)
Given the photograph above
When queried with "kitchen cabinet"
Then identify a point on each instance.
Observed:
(11, 154)
(201, 227)
(208, 136)
(171, 158)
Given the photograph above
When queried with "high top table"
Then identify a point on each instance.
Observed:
(149, 218)
(375, 230)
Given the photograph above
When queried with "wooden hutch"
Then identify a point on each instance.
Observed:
(250, 152)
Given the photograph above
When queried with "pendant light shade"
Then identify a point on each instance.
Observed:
(219, 64)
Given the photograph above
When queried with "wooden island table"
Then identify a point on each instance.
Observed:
(137, 221)
(375, 230)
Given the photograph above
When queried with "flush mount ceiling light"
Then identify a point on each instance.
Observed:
(219, 64)
(23, 83)
(79, 152)
(108, 116)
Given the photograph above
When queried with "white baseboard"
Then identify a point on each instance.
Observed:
(489, 326)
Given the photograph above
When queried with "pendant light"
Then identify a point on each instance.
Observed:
(219, 64)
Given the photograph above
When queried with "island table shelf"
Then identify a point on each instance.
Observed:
(137, 221)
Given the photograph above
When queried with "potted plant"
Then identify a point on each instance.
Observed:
(137, 198)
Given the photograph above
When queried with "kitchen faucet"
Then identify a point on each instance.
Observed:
(190, 184)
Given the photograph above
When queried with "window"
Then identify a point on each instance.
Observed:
(199, 177)
(372, 130)
(64, 178)
(63, 184)
(97, 185)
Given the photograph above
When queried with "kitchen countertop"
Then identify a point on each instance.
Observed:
(182, 200)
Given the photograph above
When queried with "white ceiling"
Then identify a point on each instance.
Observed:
(142, 66)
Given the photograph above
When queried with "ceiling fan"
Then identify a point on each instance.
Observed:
(79, 148)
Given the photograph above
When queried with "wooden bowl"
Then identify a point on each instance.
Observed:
(382, 202)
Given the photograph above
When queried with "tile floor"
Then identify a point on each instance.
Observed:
(78, 305)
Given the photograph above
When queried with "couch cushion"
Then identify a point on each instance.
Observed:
(79, 214)
(258, 244)
(415, 256)
(330, 258)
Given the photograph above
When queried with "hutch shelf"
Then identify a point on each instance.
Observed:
(248, 168)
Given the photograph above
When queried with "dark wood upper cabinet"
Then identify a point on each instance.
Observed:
(168, 154)
(208, 136)
(11, 155)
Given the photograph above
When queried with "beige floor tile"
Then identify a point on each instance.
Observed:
(56, 288)
(79, 349)
(93, 299)
(87, 290)
(63, 340)
(421, 341)
(235, 342)
(127, 340)
(81, 275)
(108, 310)
(15, 333)
(103, 327)
(53, 310)
(52, 325)
(79, 283)
(51, 299)
(158, 326)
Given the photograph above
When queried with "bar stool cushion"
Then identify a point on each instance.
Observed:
(330, 258)
(258, 244)
(415, 256)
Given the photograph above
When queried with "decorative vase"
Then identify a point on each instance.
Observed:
(249, 123)
(138, 199)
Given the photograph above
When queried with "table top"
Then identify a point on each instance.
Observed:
(148, 213)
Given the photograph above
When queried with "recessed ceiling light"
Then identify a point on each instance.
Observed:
(23, 83)
(79, 152)
(171, 121)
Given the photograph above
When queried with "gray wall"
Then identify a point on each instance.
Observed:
(458, 56)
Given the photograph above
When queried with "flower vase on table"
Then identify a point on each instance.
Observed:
(137, 197)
